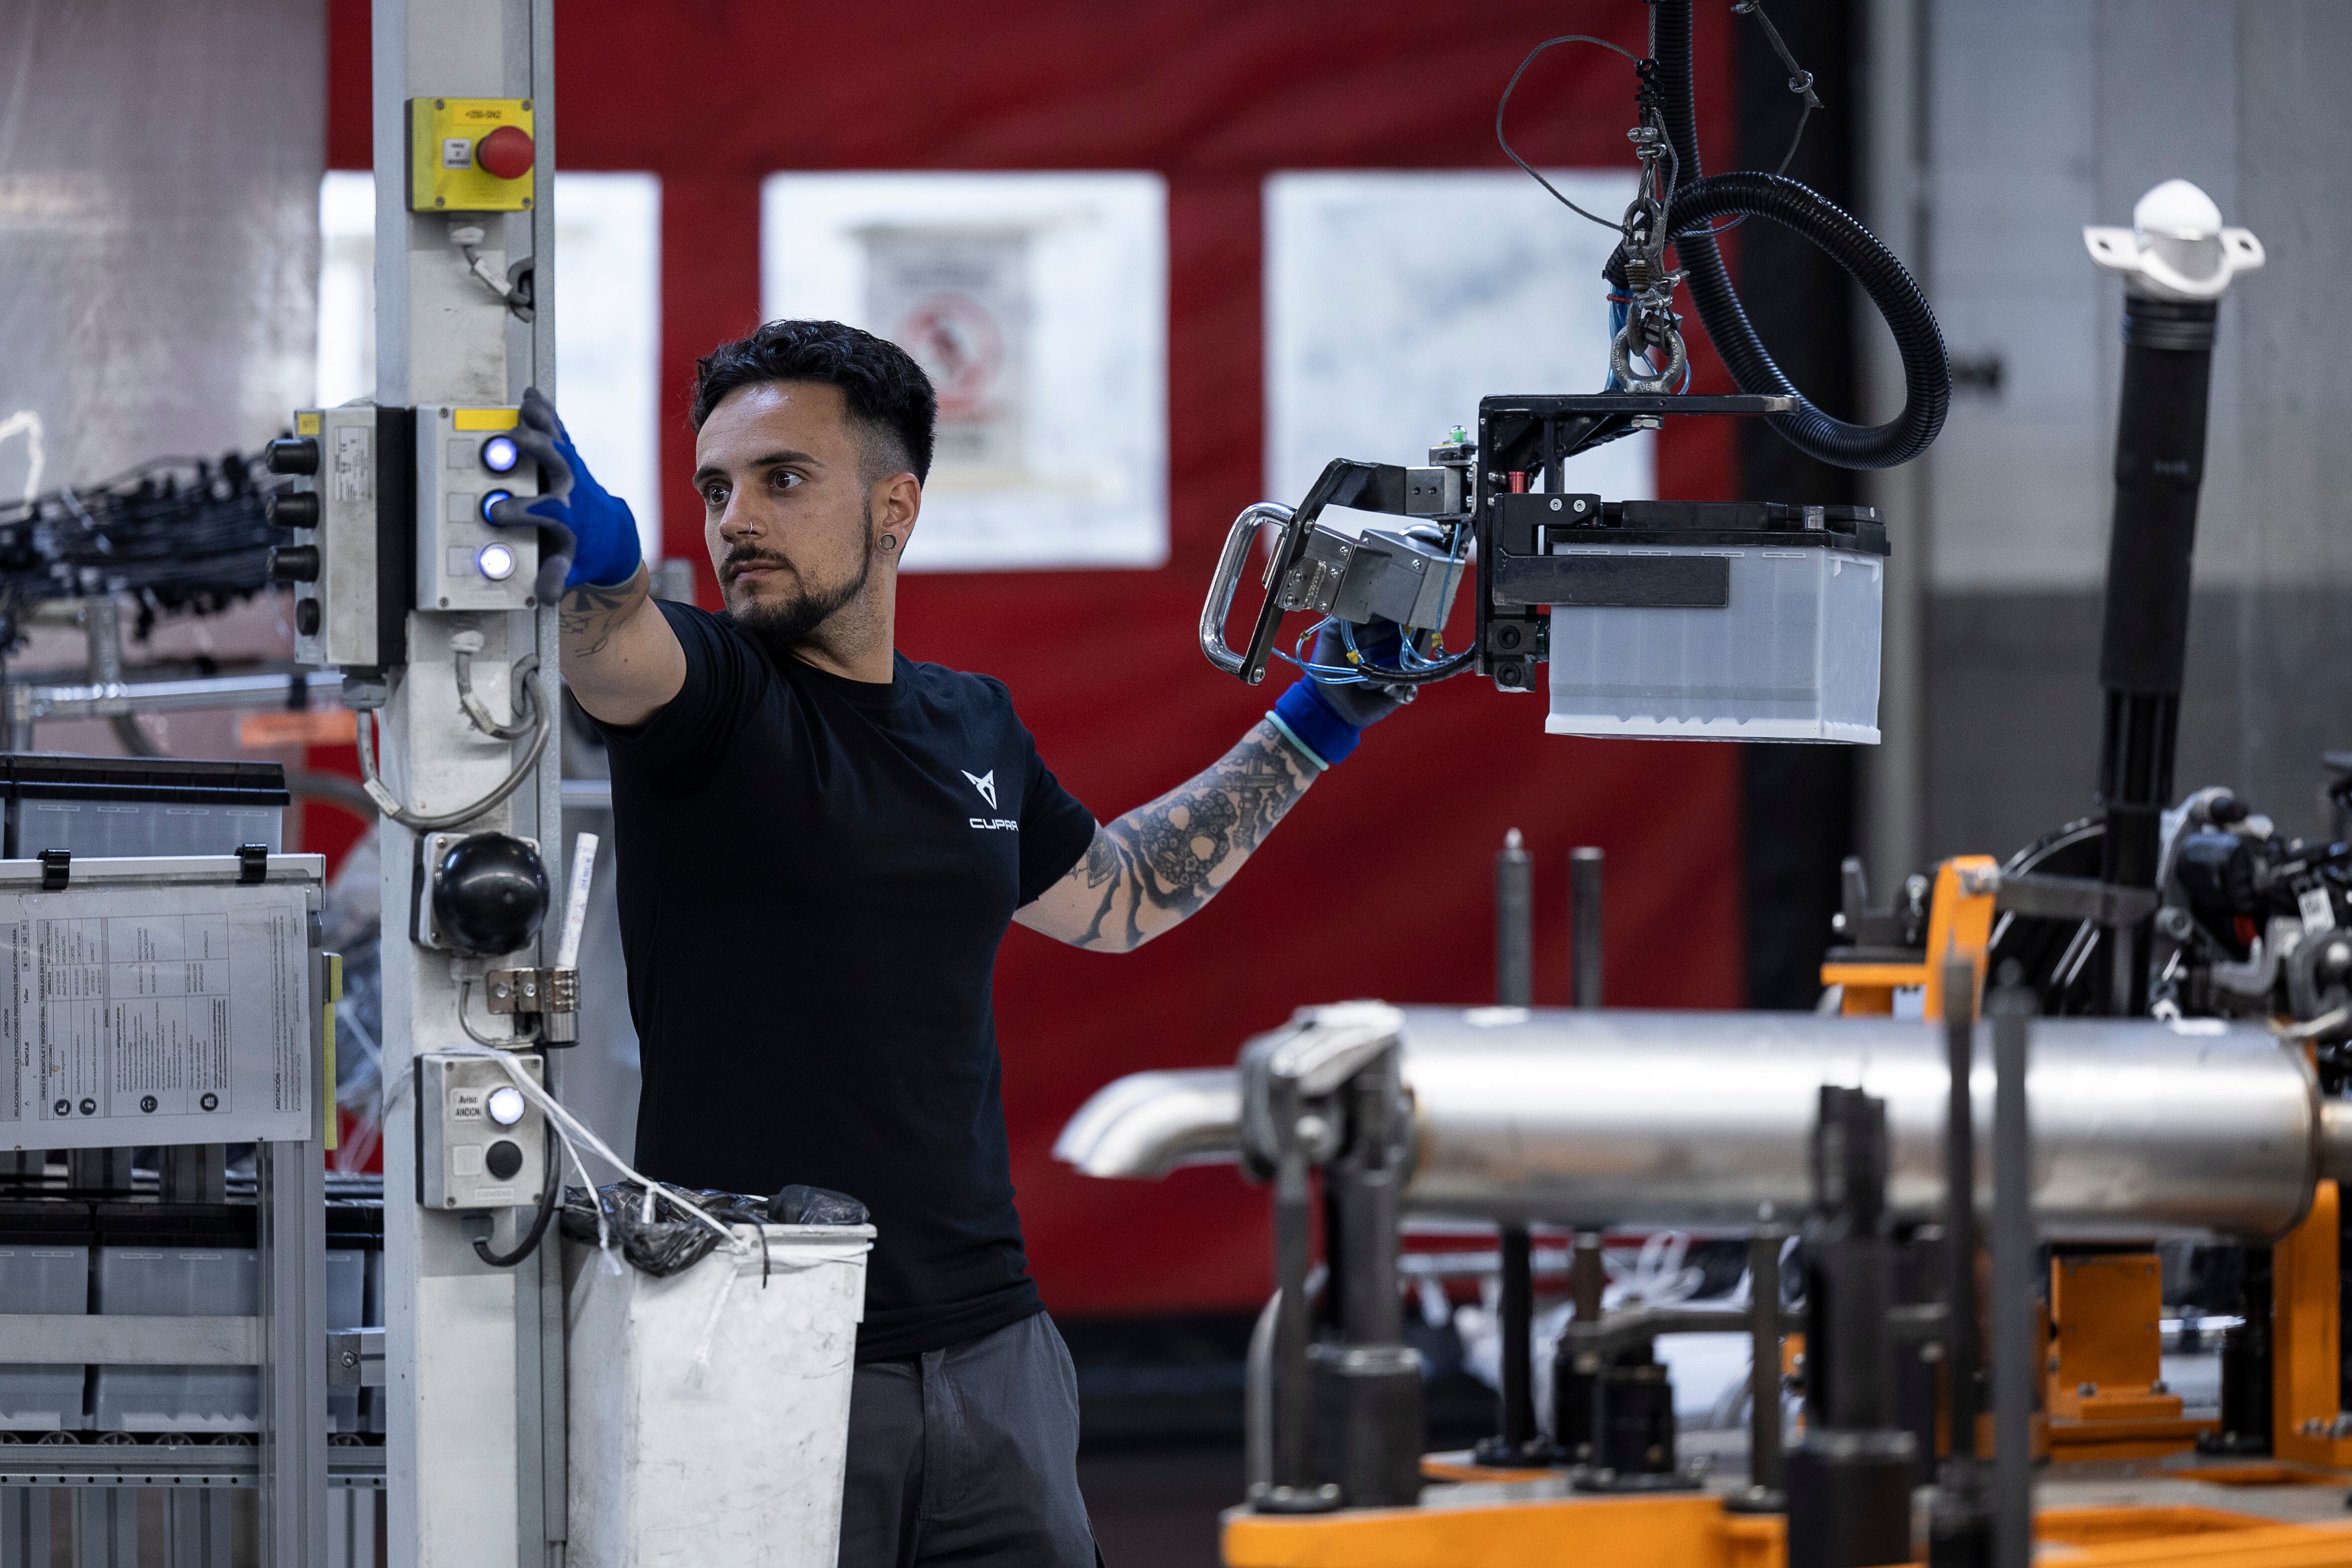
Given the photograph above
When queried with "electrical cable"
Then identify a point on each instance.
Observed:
(391, 804)
(573, 1131)
(513, 1042)
(552, 1188)
(1926, 370)
(1506, 103)
(477, 711)
(1800, 82)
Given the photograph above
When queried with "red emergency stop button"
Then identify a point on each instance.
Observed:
(505, 152)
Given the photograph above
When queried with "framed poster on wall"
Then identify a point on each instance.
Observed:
(1395, 301)
(1038, 305)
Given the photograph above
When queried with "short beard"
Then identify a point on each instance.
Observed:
(784, 629)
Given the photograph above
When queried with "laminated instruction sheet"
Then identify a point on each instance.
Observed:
(138, 1014)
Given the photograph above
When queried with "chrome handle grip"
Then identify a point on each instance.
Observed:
(1220, 604)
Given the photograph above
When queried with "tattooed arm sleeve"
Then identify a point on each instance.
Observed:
(621, 659)
(1161, 862)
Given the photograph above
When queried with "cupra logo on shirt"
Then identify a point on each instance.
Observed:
(986, 784)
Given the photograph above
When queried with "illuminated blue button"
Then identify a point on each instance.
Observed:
(496, 561)
(498, 455)
(492, 500)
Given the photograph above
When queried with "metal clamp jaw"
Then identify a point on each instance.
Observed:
(1408, 575)
(1337, 1420)
(544, 1002)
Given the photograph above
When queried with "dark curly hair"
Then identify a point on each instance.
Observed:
(889, 398)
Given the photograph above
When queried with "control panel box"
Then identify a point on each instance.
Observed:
(467, 462)
(347, 522)
(481, 1142)
(470, 154)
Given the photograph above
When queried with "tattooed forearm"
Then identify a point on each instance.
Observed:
(620, 656)
(589, 612)
(1161, 862)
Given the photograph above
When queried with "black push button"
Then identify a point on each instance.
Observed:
(293, 563)
(292, 509)
(291, 454)
(503, 1158)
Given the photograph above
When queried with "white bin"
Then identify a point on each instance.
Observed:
(709, 1411)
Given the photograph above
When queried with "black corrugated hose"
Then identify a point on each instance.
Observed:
(1699, 202)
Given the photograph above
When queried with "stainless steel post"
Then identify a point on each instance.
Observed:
(1961, 1205)
(1767, 1463)
(1515, 1318)
(474, 1394)
(1514, 924)
(1584, 927)
(1514, 987)
(1363, 1183)
(1293, 1403)
(1958, 1531)
(292, 1182)
(2017, 1359)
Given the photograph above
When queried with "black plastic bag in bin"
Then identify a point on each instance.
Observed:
(673, 1240)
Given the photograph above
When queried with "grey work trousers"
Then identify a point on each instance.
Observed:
(967, 1455)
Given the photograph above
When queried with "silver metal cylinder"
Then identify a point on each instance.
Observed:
(1700, 1119)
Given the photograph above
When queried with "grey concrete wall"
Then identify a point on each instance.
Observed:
(2038, 117)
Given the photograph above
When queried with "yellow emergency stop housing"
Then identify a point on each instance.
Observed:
(445, 172)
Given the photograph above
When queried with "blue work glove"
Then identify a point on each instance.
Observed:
(1330, 719)
(586, 534)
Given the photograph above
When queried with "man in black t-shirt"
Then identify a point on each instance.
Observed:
(821, 843)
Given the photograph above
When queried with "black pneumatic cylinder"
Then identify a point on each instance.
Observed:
(1850, 1480)
(2143, 645)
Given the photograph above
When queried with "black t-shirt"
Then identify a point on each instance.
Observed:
(815, 874)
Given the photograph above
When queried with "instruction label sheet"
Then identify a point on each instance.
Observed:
(155, 1014)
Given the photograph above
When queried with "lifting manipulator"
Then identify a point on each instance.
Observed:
(1499, 507)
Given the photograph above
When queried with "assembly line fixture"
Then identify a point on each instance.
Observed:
(1520, 1116)
(1742, 620)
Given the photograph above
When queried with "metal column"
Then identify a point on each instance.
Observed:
(292, 1197)
(2016, 1352)
(1518, 1441)
(473, 1353)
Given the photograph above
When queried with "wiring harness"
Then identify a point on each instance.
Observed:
(183, 535)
